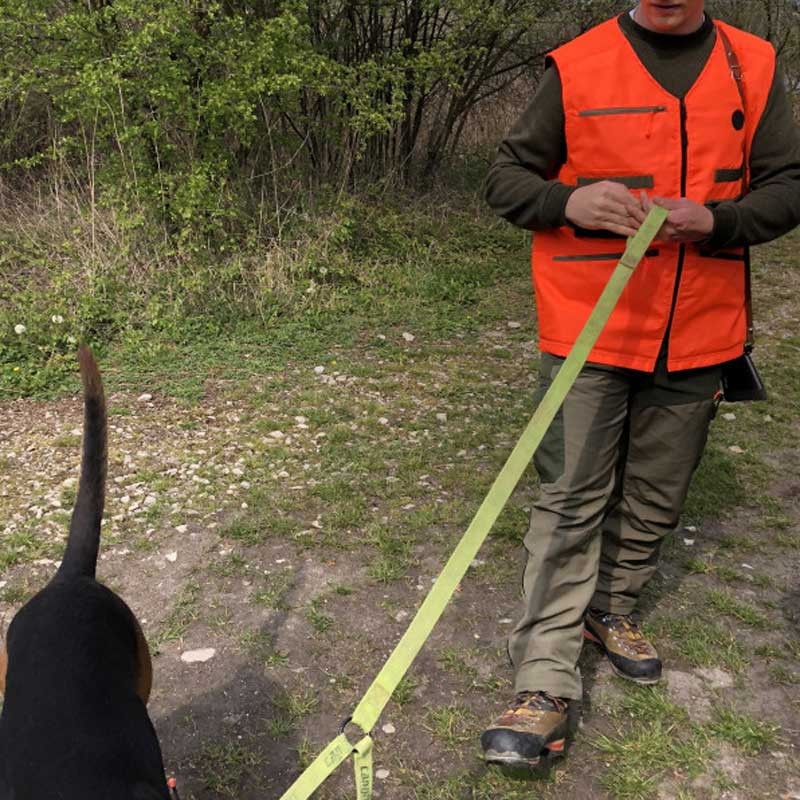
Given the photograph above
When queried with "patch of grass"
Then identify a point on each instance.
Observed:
(783, 675)
(728, 574)
(737, 542)
(404, 693)
(454, 726)
(701, 642)
(247, 530)
(646, 748)
(789, 541)
(395, 557)
(725, 604)
(261, 645)
(225, 765)
(696, 566)
(344, 590)
(279, 728)
(769, 651)
(453, 660)
(750, 735)
(716, 487)
(319, 620)
(67, 440)
(15, 594)
(25, 545)
(229, 565)
(275, 591)
(297, 705)
(184, 612)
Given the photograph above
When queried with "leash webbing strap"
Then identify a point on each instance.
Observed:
(368, 711)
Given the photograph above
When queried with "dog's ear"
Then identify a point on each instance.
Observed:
(144, 666)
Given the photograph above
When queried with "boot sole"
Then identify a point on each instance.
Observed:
(617, 671)
(512, 760)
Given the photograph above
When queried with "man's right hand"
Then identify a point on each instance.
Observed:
(605, 205)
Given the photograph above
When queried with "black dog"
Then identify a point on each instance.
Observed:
(76, 671)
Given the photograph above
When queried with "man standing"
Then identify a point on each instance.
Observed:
(644, 107)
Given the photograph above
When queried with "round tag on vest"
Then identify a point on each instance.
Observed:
(737, 118)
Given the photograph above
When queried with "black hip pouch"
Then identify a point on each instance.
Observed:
(741, 381)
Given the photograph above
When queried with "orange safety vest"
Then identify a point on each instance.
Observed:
(621, 125)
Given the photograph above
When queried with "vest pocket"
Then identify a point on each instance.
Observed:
(602, 256)
(722, 256)
(605, 112)
(629, 181)
(728, 175)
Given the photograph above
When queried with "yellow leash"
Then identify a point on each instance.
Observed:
(368, 711)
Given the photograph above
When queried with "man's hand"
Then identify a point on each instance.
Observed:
(605, 205)
(687, 221)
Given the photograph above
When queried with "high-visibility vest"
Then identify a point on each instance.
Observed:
(621, 125)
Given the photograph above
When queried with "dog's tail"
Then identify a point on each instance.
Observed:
(80, 557)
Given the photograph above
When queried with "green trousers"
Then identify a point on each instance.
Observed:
(614, 468)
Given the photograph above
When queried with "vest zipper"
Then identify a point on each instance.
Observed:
(682, 248)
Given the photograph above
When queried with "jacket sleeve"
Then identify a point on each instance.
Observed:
(772, 206)
(520, 186)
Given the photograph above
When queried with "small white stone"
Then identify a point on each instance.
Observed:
(277, 434)
(181, 528)
(173, 556)
(688, 542)
(729, 416)
(300, 420)
(409, 337)
(734, 448)
(383, 420)
(198, 656)
(382, 774)
(401, 615)
(506, 621)
(512, 324)
(768, 418)
(441, 417)
(319, 370)
(747, 566)
(389, 728)
(145, 398)
(691, 528)
(477, 562)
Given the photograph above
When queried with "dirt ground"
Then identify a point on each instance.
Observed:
(293, 519)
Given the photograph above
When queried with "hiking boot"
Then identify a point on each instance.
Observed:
(535, 727)
(630, 654)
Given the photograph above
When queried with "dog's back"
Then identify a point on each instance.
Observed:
(74, 722)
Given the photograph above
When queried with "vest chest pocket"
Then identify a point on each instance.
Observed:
(607, 112)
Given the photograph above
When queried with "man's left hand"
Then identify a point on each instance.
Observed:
(687, 221)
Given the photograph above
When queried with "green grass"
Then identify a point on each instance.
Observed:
(26, 545)
(645, 748)
(404, 693)
(702, 642)
(744, 612)
(224, 766)
(750, 735)
(454, 726)
(318, 619)
(184, 612)
(297, 704)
